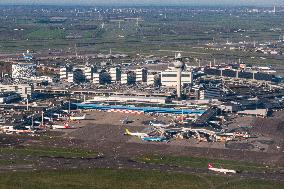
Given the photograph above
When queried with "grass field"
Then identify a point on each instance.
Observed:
(46, 34)
(48, 151)
(202, 163)
(181, 30)
(4, 162)
(122, 179)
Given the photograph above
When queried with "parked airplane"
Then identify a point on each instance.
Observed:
(159, 124)
(75, 118)
(11, 130)
(65, 126)
(141, 135)
(155, 139)
(59, 117)
(48, 118)
(221, 170)
(70, 111)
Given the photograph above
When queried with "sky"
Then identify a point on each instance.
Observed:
(146, 2)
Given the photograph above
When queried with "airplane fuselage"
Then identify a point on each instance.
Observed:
(223, 170)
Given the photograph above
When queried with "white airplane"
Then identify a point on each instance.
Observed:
(65, 126)
(140, 135)
(221, 170)
(159, 124)
(32, 127)
(59, 117)
(49, 119)
(74, 118)
(11, 130)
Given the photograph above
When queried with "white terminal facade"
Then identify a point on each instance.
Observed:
(115, 74)
(96, 78)
(77, 74)
(88, 73)
(141, 75)
(151, 78)
(63, 74)
(124, 78)
(169, 78)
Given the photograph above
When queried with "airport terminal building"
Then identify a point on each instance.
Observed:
(169, 78)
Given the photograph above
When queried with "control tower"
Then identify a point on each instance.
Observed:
(179, 65)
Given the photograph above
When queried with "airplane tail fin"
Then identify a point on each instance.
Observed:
(66, 125)
(210, 165)
(127, 132)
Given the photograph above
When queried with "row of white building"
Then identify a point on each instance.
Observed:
(168, 77)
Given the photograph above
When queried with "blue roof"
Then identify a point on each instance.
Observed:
(142, 109)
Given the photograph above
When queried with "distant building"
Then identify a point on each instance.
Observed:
(88, 73)
(63, 74)
(7, 97)
(210, 93)
(96, 78)
(70, 77)
(151, 79)
(24, 90)
(141, 75)
(23, 70)
(128, 78)
(125, 98)
(151, 61)
(76, 76)
(124, 78)
(42, 79)
(194, 93)
(260, 75)
(5, 69)
(115, 74)
(169, 78)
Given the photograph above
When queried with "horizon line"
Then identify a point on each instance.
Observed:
(141, 4)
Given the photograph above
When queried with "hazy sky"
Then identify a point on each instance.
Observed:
(133, 2)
